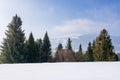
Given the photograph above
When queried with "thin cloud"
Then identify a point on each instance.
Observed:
(51, 9)
(77, 27)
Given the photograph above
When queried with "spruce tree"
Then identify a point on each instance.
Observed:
(13, 49)
(60, 47)
(46, 49)
(31, 51)
(80, 48)
(104, 50)
(89, 53)
(38, 47)
(93, 44)
(79, 54)
(69, 46)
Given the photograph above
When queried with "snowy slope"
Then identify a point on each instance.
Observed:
(61, 71)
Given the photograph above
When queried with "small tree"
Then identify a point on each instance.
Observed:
(38, 47)
(60, 47)
(69, 44)
(93, 44)
(89, 53)
(79, 54)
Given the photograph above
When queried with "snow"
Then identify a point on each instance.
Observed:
(61, 71)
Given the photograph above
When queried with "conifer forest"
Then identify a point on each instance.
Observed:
(16, 48)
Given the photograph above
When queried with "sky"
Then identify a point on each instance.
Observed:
(62, 18)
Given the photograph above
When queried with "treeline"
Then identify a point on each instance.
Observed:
(100, 49)
(16, 48)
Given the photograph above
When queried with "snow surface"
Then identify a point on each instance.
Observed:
(61, 71)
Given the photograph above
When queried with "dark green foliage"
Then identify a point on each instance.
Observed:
(104, 50)
(93, 44)
(69, 46)
(79, 54)
(31, 51)
(15, 50)
(12, 49)
(60, 47)
(46, 49)
(89, 53)
(80, 48)
(38, 47)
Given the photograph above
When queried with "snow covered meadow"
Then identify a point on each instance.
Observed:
(61, 71)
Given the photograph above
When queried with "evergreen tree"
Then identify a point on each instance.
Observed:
(80, 48)
(31, 51)
(93, 44)
(46, 49)
(93, 47)
(69, 44)
(104, 50)
(79, 54)
(12, 49)
(38, 47)
(60, 47)
(89, 53)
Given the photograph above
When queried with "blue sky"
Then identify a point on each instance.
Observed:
(62, 18)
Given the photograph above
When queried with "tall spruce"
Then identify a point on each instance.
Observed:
(46, 49)
(13, 49)
(79, 54)
(89, 53)
(69, 46)
(31, 51)
(60, 47)
(104, 50)
(38, 47)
